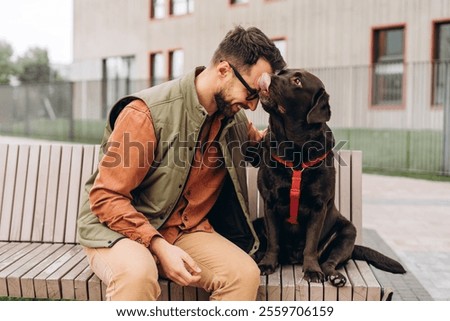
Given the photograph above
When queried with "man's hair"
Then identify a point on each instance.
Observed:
(243, 48)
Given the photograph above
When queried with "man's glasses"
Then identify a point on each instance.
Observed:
(253, 93)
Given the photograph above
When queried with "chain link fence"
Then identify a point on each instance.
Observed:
(398, 117)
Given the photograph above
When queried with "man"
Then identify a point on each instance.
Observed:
(169, 197)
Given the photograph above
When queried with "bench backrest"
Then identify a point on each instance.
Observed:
(40, 190)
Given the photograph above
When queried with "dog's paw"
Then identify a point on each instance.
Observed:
(267, 269)
(337, 279)
(314, 276)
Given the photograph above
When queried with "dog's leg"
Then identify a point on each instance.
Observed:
(311, 267)
(339, 251)
(270, 260)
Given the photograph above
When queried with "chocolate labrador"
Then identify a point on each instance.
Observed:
(297, 182)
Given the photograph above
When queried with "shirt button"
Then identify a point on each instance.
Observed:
(185, 218)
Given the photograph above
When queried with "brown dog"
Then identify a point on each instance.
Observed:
(298, 146)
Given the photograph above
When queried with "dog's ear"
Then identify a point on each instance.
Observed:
(320, 112)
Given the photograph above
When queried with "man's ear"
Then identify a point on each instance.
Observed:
(320, 112)
(223, 68)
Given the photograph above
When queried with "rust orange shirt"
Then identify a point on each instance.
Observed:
(111, 193)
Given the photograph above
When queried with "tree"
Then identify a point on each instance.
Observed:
(7, 68)
(34, 66)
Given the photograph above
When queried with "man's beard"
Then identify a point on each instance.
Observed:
(223, 106)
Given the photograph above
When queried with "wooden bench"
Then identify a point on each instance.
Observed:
(40, 257)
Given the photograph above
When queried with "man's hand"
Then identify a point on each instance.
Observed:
(176, 264)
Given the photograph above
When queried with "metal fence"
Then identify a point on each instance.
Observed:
(398, 116)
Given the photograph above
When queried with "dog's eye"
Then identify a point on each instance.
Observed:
(297, 81)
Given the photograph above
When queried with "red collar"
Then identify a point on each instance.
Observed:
(296, 183)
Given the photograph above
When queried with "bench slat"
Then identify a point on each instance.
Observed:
(3, 161)
(69, 235)
(68, 280)
(14, 279)
(81, 284)
(356, 194)
(287, 283)
(53, 281)
(344, 292)
(273, 286)
(41, 194)
(373, 287)
(19, 193)
(301, 285)
(95, 288)
(8, 192)
(344, 184)
(63, 194)
(358, 285)
(30, 195)
(27, 280)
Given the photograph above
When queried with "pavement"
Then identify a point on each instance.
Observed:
(410, 219)
(405, 218)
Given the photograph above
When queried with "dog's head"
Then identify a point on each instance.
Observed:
(296, 95)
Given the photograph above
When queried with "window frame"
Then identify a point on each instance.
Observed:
(434, 58)
(379, 105)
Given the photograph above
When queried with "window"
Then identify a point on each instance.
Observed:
(232, 2)
(181, 7)
(157, 69)
(158, 9)
(176, 63)
(441, 61)
(117, 74)
(388, 68)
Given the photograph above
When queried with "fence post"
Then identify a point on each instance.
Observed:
(446, 128)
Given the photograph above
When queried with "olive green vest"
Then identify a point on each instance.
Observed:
(177, 118)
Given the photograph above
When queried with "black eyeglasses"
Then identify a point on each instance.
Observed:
(253, 93)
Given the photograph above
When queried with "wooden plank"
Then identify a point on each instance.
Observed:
(316, 291)
(95, 288)
(103, 288)
(70, 235)
(81, 284)
(52, 193)
(373, 287)
(68, 281)
(164, 285)
(30, 194)
(356, 196)
(330, 292)
(14, 279)
(274, 286)
(28, 252)
(358, 285)
(8, 192)
(189, 293)
(344, 184)
(3, 162)
(202, 295)
(54, 280)
(15, 252)
(301, 285)
(262, 290)
(252, 174)
(338, 179)
(176, 292)
(345, 292)
(5, 248)
(27, 280)
(19, 193)
(287, 283)
(41, 194)
(63, 194)
(40, 281)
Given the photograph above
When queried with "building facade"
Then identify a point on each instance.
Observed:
(383, 61)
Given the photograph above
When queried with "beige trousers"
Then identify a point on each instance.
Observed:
(130, 272)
